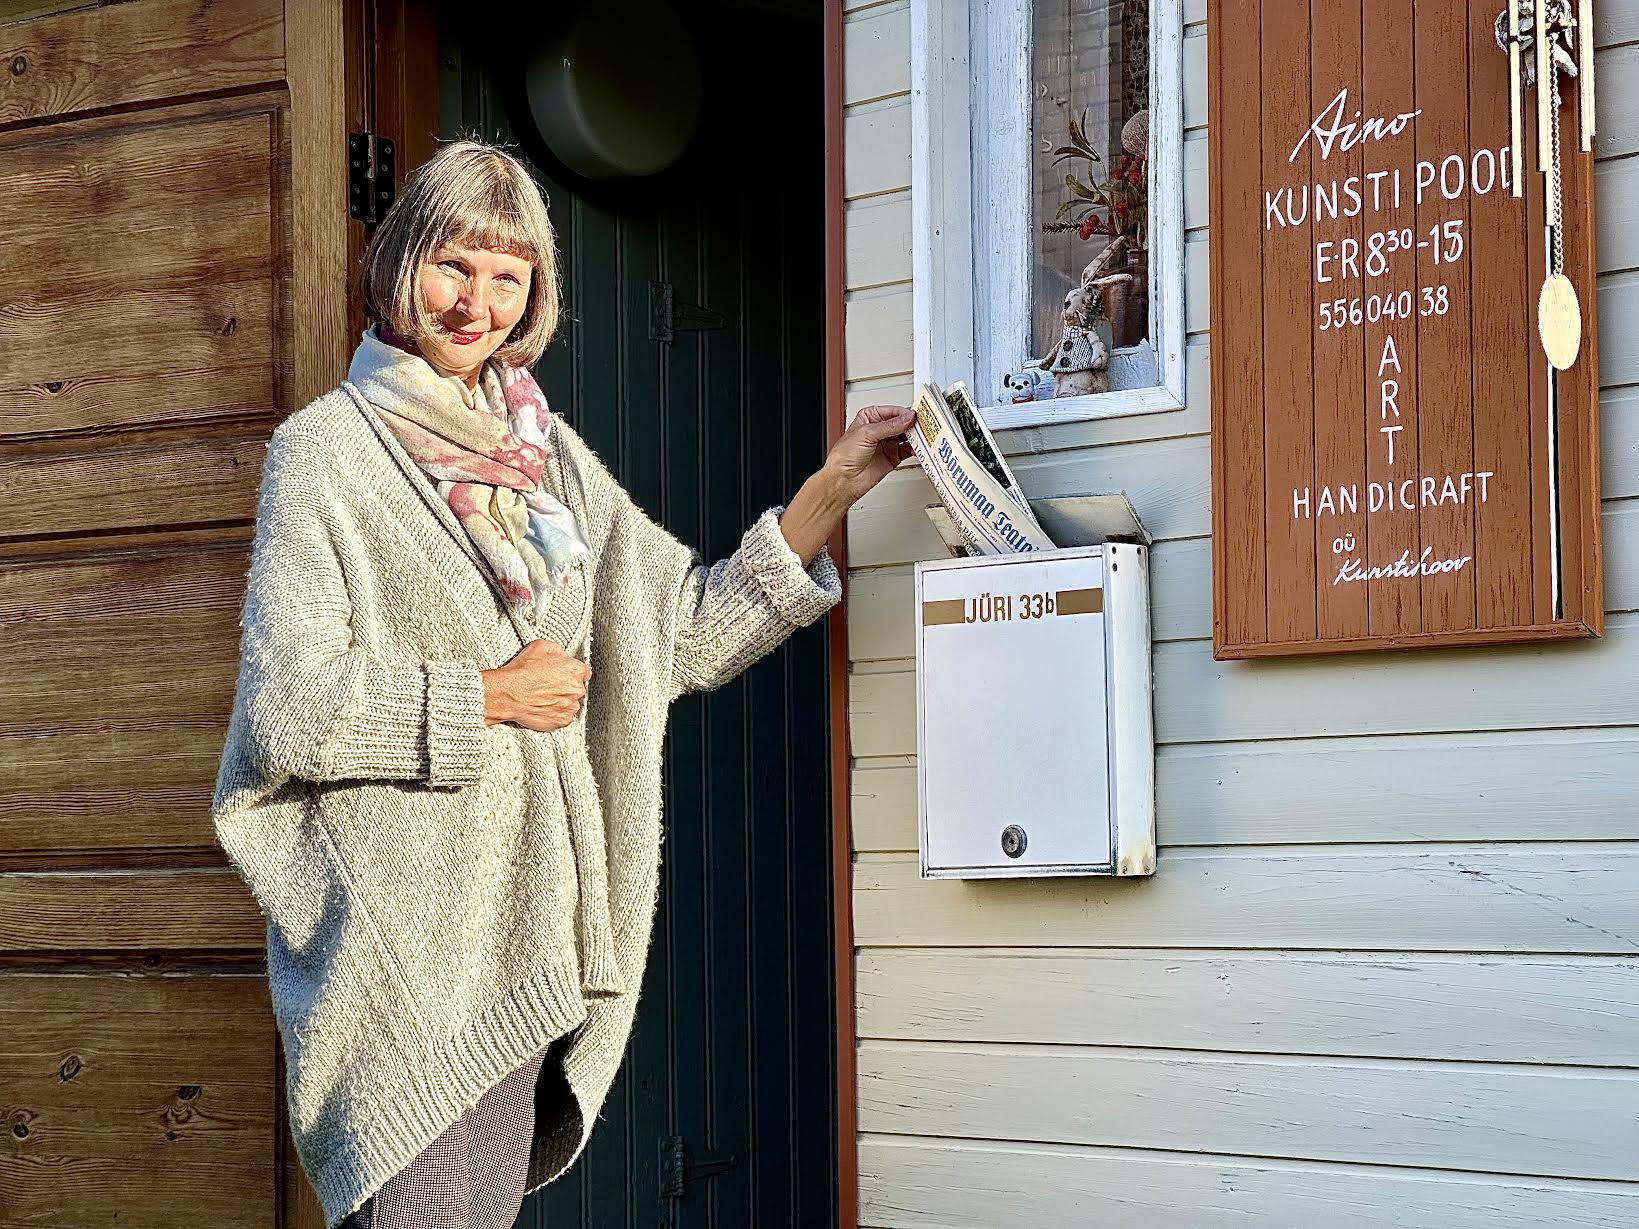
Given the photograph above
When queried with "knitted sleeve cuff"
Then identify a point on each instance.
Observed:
(455, 722)
(412, 721)
(800, 594)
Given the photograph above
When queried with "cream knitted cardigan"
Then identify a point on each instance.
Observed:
(415, 865)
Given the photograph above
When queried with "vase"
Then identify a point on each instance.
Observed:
(1127, 304)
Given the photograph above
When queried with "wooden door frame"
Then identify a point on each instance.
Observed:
(836, 422)
(399, 100)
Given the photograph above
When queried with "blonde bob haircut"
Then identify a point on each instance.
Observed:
(469, 194)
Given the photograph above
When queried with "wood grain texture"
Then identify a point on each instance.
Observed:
(160, 48)
(1564, 1124)
(128, 911)
(1284, 330)
(124, 756)
(1497, 235)
(911, 1183)
(1430, 184)
(1446, 354)
(134, 485)
(1239, 571)
(1573, 900)
(1574, 1010)
(320, 341)
(1341, 428)
(1387, 88)
(112, 1081)
(149, 336)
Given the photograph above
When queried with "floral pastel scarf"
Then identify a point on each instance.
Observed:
(485, 450)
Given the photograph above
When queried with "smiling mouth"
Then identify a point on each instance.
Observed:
(463, 339)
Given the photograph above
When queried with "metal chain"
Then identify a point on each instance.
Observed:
(1559, 183)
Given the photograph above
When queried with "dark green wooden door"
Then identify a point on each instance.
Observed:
(732, 1055)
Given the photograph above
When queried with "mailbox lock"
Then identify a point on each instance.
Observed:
(1013, 840)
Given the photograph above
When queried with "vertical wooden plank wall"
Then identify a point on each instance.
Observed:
(1237, 484)
(1501, 388)
(1342, 440)
(171, 287)
(1398, 894)
(1386, 71)
(1287, 320)
(1378, 227)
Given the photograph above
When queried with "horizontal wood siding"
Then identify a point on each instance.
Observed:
(1388, 970)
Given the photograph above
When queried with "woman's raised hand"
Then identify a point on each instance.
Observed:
(541, 688)
(870, 448)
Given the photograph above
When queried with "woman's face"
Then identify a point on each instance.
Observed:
(474, 296)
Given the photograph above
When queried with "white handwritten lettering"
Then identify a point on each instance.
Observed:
(1331, 129)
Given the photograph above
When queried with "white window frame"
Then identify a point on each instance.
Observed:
(970, 205)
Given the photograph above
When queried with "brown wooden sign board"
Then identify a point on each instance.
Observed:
(1381, 404)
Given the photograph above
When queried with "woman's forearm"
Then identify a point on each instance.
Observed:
(814, 513)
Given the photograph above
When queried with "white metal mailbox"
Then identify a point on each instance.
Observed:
(1034, 729)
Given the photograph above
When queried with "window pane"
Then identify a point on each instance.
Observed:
(1090, 86)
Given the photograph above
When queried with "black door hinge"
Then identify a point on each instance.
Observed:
(370, 167)
(677, 1170)
(667, 314)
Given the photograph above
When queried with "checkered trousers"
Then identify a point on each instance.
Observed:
(470, 1177)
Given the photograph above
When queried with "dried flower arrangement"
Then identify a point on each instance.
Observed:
(1119, 204)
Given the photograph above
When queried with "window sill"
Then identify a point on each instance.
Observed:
(1055, 410)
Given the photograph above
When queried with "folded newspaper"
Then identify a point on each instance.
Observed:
(970, 476)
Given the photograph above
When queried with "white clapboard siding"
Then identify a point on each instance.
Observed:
(1196, 283)
(1616, 187)
(918, 1183)
(1536, 1121)
(876, 153)
(1548, 785)
(1590, 682)
(882, 623)
(1615, 23)
(892, 389)
(878, 237)
(879, 331)
(1195, 84)
(1385, 974)
(877, 53)
(1549, 899)
(1618, 310)
(1196, 202)
(1168, 480)
(1581, 1011)
(1543, 685)
(1616, 101)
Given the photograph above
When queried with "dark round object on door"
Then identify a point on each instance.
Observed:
(1014, 840)
(616, 89)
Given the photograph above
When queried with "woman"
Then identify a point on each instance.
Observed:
(441, 778)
